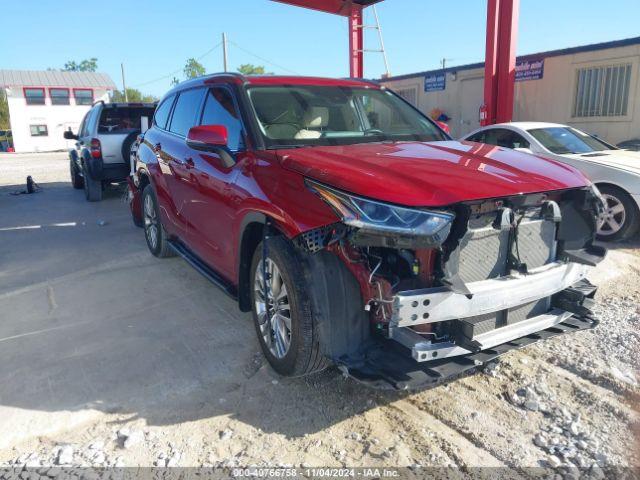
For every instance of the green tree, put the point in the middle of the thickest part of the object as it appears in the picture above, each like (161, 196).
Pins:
(133, 95)
(193, 69)
(250, 69)
(89, 65)
(174, 81)
(4, 110)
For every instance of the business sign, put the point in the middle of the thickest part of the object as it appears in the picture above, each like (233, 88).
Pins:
(435, 82)
(529, 70)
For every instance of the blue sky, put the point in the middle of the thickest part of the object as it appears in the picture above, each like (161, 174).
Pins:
(154, 38)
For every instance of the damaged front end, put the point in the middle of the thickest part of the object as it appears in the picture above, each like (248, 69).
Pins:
(448, 290)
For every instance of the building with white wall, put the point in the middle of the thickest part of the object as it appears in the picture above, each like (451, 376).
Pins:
(43, 104)
(595, 88)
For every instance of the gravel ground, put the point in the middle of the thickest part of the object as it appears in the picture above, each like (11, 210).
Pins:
(572, 401)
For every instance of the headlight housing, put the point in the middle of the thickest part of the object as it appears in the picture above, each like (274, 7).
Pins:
(383, 224)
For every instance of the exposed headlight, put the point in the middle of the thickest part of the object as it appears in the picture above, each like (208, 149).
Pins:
(382, 224)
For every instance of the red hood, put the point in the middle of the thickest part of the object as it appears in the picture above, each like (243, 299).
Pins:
(430, 174)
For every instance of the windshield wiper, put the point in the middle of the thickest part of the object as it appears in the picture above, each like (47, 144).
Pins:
(278, 147)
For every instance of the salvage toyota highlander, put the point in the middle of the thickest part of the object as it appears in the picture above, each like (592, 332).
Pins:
(358, 233)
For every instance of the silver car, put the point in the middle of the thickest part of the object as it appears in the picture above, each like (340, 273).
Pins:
(615, 172)
(103, 145)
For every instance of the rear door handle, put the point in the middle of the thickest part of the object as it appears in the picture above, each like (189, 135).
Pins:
(188, 163)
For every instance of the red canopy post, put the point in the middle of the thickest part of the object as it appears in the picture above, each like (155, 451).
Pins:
(352, 9)
(500, 60)
(356, 43)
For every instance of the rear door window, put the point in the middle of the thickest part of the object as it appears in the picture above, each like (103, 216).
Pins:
(220, 109)
(119, 120)
(504, 138)
(478, 137)
(186, 111)
(162, 112)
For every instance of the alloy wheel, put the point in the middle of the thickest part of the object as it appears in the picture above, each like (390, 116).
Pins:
(612, 219)
(151, 228)
(272, 308)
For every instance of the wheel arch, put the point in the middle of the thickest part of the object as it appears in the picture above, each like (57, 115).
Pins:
(252, 230)
(622, 189)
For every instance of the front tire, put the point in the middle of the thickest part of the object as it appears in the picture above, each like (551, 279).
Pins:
(282, 314)
(154, 232)
(92, 188)
(620, 219)
(76, 179)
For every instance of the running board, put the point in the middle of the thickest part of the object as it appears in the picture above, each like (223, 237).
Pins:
(205, 270)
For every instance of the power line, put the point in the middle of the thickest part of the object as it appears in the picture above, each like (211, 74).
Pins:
(263, 59)
(178, 70)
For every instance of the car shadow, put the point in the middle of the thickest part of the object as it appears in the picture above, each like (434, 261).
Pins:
(92, 321)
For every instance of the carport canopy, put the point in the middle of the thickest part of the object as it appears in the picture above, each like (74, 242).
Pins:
(500, 57)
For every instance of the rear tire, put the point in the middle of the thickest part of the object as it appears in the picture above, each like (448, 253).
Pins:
(154, 232)
(92, 188)
(621, 218)
(284, 318)
(76, 179)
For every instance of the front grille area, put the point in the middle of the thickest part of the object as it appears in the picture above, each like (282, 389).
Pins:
(483, 253)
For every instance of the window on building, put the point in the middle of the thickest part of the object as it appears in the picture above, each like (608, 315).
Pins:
(602, 91)
(83, 96)
(34, 96)
(39, 130)
(59, 96)
(409, 94)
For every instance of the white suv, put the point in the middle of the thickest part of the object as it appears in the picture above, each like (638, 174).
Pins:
(103, 145)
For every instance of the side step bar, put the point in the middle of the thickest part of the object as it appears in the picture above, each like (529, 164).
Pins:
(204, 269)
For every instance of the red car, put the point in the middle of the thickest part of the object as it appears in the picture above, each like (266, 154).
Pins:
(358, 233)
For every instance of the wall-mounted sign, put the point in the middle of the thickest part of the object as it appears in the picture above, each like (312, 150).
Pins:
(529, 70)
(435, 82)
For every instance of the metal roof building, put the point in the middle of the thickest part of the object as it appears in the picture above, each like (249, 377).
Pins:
(43, 104)
(55, 78)
(594, 87)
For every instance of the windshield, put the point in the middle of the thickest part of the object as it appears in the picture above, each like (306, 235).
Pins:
(316, 115)
(562, 140)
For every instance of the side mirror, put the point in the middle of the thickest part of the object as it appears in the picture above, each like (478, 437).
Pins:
(523, 150)
(208, 138)
(211, 138)
(69, 135)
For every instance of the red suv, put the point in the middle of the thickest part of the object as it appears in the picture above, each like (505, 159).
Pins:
(358, 233)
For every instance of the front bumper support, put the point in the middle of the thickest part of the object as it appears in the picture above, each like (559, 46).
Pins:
(439, 304)
(387, 365)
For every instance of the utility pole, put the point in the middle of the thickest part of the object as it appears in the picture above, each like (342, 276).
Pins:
(124, 85)
(443, 62)
(224, 50)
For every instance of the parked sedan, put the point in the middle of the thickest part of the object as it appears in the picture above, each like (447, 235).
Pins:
(615, 172)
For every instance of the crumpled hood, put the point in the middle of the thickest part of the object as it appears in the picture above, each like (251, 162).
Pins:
(622, 159)
(430, 174)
